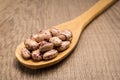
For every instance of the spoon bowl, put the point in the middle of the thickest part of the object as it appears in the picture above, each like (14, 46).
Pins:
(41, 64)
(76, 25)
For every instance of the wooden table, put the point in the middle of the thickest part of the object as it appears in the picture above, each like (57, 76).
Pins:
(96, 57)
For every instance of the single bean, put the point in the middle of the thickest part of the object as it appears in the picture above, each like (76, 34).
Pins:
(50, 54)
(38, 37)
(47, 34)
(68, 34)
(31, 44)
(36, 55)
(56, 41)
(25, 53)
(54, 31)
(61, 36)
(64, 46)
(45, 46)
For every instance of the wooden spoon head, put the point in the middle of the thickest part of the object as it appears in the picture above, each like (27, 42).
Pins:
(42, 64)
(76, 26)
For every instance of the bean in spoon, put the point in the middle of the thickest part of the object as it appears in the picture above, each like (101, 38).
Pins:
(76, 25)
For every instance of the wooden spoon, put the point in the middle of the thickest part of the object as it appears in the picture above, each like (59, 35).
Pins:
(76, 25)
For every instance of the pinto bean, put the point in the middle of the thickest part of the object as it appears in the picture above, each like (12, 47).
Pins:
(50, 54)
(36, 55)
(68, 34)
(25, 53)
(61, 36)
(47, 33)
(45, 46)
(54, 31)
(31, 44)
(56, 41)
(64, 46)
(38, 37)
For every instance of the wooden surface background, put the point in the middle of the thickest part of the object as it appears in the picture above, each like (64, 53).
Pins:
(96, 57)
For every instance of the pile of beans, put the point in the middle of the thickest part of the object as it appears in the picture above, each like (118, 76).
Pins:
(46, 44)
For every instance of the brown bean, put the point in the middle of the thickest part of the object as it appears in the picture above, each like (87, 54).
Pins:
(50, 54)
(25, 53)
(47, 33)
(68, 34)
(36, 55)
(61, 36)
(64, 46)
(31, 44)
(56, 41)
(38, 37)
(54, 31)
(45, 46)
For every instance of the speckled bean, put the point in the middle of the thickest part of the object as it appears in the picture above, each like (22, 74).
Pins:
(68, 34)
(64, 46)
(38, 37)
(54, 31)
(36, 55)
(45, 46)
(50, 54)
(61, 36)
(47, 33)
(25, 53)
(31, 44)
(56, 41)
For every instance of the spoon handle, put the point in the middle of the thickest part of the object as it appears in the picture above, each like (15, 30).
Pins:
(92, 13)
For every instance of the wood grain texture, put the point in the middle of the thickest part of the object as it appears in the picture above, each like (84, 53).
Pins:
(96, 57)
